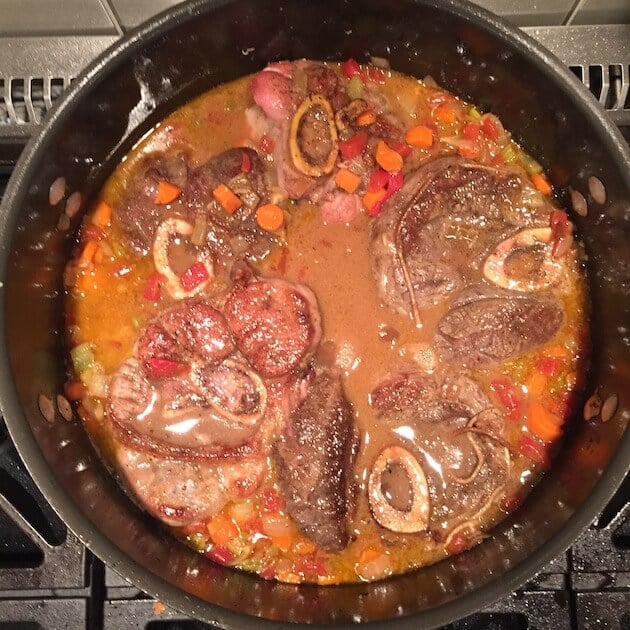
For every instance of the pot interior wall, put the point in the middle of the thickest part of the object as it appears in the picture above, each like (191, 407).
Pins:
(154, 76)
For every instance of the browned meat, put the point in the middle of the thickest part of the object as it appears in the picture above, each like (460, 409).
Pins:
(456, 435)
(191, 330)
(438, 229)
(325, 81)
(137, 213)
(175, 492)
(316, 456)
(497, 328)
(173, 417)
(236, 234)
(275, 323)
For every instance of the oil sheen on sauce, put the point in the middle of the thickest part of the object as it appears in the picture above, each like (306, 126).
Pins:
(367, 337)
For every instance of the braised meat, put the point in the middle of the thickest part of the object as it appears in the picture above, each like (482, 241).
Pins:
(275, 323)
(316, 455)
(457, 437)
(496, 326)
(435, 233)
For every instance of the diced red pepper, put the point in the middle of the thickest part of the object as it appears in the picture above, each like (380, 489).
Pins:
(253, 524)
(219, 554)
(395, 182)
(310, 566)
(458, 543)
(193, 276)
(351, 68)
(534, 450)
(272, 501)
(511, 503)
(548, 366)
(376, 74)
(268, 572)
(165, 368)
(559, 223)
(497, 160)
(353, 146)
(400, 147)
(153, 287)
(378, 179)
(506, 393)
(246, 163)
(490, 128)
(267, 144)
(471, 131)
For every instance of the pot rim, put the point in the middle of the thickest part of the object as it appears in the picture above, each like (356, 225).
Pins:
(25, 441)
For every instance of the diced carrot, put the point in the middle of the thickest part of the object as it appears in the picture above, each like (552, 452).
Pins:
(534, 450)
(304, 547)
(228, 200)
(419, 136)
(347, 180)
(284, 542)
(365, 119)
(372, 200)
(471, 152)
(89, 251)
(166, 192)
(388, 159)
(536, 384)
(369, 554)
(445, 114)
(541, 183)
(222, 530)
(102, 214)
(270, 217)
(557, 351)
(543, 423)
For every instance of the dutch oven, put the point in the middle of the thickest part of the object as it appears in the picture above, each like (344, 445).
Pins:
(192, 48)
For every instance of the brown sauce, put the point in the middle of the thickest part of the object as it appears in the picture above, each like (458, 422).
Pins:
(107, 309)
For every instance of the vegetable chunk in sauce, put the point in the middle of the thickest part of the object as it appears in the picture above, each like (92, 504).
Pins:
(326, 323)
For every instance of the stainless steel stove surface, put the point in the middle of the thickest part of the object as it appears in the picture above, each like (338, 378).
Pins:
(48, 579)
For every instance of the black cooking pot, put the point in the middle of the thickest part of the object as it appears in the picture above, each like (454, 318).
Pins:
(195, 47)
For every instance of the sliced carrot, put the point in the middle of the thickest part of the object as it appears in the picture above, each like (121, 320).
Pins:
(388, 159)
(445, 114)
(420, 136)
(228, 200)
(543, 423)
(347, 180)
(222, 530)
(89, 251)
(166, 192)
(102, 214)
(370, 199)
(365, 119)
(541, 183)
(536, 384)
(270, 217)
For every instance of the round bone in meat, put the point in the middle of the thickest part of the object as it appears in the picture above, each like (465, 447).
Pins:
(524, 262)
(407, 521)
(166, 230)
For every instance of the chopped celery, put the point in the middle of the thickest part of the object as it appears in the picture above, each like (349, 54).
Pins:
(474, 113)
(509, 153)
(137, 322)
(355, 87)
(530, 165)
(82, 357)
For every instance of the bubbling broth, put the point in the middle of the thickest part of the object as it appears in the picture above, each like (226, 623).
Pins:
(327, 323)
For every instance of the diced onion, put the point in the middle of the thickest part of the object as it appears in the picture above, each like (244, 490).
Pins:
(380, 62)
(355, 88)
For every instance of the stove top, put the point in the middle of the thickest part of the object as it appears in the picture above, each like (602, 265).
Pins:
(47, 578)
